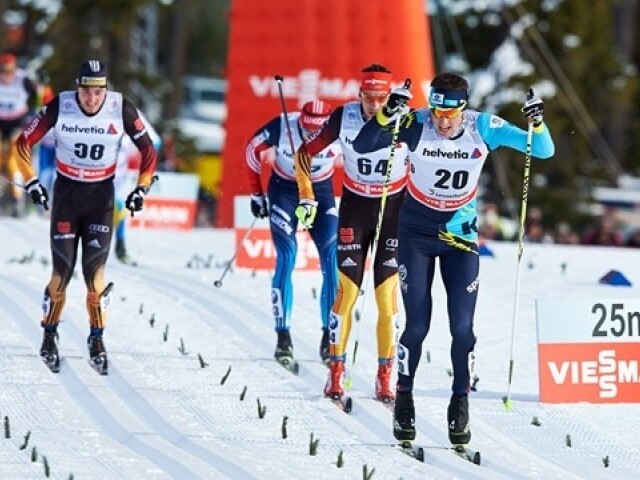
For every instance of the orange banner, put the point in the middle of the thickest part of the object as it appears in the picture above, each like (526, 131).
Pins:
(166, 213)
(259, 253)
(589, 372)
(319, 49)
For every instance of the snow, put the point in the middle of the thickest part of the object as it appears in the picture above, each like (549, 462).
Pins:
(159, 415)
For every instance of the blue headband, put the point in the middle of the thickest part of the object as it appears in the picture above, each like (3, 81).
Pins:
(444, 98)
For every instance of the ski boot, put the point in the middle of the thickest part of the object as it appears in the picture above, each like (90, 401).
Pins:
(49, 351)
(404, 418)
(334, 388)
(324, 346)
(98, 355)
(284, 349)
(383, 392)
(458, 418)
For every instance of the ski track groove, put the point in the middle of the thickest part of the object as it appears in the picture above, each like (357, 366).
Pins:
(312, 377)
(137, 404)
(444, 461)
(430, 435)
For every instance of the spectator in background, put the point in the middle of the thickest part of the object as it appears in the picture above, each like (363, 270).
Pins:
(564, 235)
(534, 228)
(129, 159)
(491, 227)
(634, 239)
(605, 233)
(18, 96)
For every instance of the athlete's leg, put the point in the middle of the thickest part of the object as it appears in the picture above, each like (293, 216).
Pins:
(324, 235)
(96, 230)
(64, 237)
(416, 258)
(460, 272)
(385, 280)
(351, 246)
(120, 223)
(283, 200)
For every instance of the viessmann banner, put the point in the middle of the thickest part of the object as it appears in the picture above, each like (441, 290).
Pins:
(319, 48)
(258, 252)
(589, 350)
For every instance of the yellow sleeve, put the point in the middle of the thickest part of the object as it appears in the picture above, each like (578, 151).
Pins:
(303, 175)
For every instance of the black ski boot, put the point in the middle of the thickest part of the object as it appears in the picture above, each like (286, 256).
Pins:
(284, 348)
(458, 418)
(324, 346)
(98, 355)
(49, 351)
(404, 417)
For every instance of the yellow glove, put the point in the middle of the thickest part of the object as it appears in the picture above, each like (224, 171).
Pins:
(306, 212)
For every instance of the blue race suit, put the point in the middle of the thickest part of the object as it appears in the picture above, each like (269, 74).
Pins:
(283, 200)
(439, 219)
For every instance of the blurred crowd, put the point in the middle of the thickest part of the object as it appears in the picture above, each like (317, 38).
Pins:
(606, 229)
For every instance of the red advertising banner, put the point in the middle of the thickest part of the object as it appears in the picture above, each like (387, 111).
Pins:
(588, 350)
(589, 372)
(166, 213)
(259, 253)
(305, 42)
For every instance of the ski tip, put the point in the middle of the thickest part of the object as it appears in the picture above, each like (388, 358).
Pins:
(348, 405)
(507, 403)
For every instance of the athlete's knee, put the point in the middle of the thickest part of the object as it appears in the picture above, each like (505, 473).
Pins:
(52, 304)
(94, 277)
(97, 305)
(462, 333)
(387, 297)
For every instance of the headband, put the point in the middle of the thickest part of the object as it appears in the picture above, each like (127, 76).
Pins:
(375, 81)
(445, 98)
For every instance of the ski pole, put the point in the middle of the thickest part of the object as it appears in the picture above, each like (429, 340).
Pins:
(218, 282)
(523, 216)
(278, 80)
(374, 246)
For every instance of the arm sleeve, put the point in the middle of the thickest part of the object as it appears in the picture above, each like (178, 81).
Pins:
(318, 141)
(374, 136)
(32, 134)
(263, 139)
(497, 132)
(134, 127)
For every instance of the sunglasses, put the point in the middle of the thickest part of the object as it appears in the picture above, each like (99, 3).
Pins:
(374, 97)
(447, 112)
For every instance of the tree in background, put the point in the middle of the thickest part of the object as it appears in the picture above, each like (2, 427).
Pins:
(583, 61)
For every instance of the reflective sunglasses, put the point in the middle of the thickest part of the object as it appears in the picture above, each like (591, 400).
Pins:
(447, 112)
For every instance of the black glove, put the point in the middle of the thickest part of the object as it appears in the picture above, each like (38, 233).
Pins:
(259, 206)
(135, 200)
(397, 101)
(533, 109)
(38, 193)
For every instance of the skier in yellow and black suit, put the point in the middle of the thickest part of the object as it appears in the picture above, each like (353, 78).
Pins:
(364, 184)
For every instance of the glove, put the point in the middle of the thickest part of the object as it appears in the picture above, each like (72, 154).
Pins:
(38, 193)
(533, 109)
(306, 212)
(397, 102)
(259, 206)
(135, 200)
